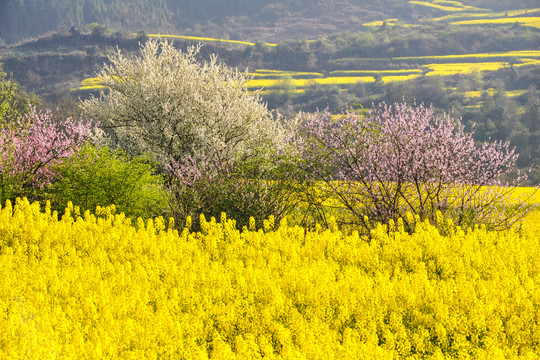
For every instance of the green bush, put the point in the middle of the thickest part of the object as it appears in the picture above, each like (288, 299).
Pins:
(100, 176)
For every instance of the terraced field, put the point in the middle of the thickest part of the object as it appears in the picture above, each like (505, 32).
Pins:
(462, 14)
(435, 65)
(205, 39)
(368, 70)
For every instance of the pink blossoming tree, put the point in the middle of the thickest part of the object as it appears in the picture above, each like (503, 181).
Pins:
(404, 159)
(29, 149)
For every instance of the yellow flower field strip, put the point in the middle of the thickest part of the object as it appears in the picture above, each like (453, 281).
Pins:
(292, 74)
(91, 81)
(284, 72)
(389, 22)
(462, 68)
(519, 54)
(273, 83)
(527, 62)
(515, 93)
(271, 78)
(502, 14)
(205, 39)
(455, 6)
(491, 91)
(449, 2)
(270, 71)
(273, 91)
(374, 72)
(396, 78)
(446, 69)
(90, 87)
(525, 21)
(508, 54)
(475, 94)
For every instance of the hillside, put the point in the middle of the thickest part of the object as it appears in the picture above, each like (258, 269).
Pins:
(273, 21)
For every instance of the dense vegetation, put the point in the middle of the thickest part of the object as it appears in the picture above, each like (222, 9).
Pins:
(196, 131)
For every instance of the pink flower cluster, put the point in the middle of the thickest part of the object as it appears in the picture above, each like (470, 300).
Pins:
(401, 158)
(29, 149)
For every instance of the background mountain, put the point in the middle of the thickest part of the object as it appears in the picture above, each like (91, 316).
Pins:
(268, 20)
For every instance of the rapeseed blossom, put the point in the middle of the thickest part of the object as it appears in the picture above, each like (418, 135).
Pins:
(97, 286)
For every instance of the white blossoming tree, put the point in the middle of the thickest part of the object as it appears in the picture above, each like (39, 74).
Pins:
(198, 120)
(164, 102)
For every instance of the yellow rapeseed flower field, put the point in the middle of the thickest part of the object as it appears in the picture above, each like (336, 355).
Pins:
(300, 83)
(270, 79)
(465, 15)
(205, 39)
(100, 287)
(389, 22)
(375, 72)
(451, 6)
(395, 78)
(525, 21)
(462, 68)
(508, 54)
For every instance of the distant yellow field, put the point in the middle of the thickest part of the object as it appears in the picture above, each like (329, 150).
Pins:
(389, 22)
(452, 6)
(374, 72)
(387, 79)
(274, 74)
(465, 15)
(507, 54)
(341, 80)
(94, 81)
(462, 68)
(271, 79)
(525, 21)
(204, 39)
(491, 91)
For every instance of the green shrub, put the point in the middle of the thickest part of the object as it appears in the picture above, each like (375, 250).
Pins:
(100, 176)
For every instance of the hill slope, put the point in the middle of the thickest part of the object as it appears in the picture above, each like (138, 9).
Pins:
(240, 19)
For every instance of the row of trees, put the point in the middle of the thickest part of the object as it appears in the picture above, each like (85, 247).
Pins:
(176, 137)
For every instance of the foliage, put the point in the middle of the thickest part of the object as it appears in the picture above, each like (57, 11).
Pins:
(14, 101)
(247, 188)
(98, 176)
(403, 159)
(29, 149)
(95, 286)
(188, 115)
